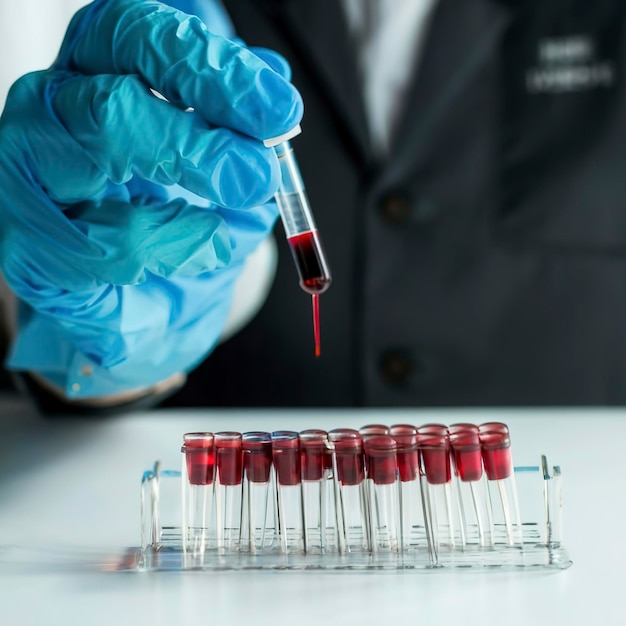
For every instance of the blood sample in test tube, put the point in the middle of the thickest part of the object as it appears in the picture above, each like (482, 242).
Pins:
(257, 456)
(496, 450)
(433, 443)
(405, 437)
(229, 474)
(496, 453)
(313, 447)
(256, 533)
(372, 430)
(416, 532)
(350, 490)
(348, 448)
(434, 446)
(199, 454)
(286, 458)
(476, 522)
(197, 488)
(320, 526)
(466, 452)
(384, 498)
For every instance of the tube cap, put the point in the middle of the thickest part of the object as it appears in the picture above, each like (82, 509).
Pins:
(290, 134)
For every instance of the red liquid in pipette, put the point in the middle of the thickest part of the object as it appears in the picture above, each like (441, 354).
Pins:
(316, 322)
(313, 270)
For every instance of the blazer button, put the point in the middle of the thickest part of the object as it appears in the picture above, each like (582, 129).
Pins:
(395, 367)
(395, 207)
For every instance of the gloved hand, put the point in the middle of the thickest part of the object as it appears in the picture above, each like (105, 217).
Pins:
(121, 285)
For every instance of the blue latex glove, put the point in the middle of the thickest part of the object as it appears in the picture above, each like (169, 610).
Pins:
(121, 285)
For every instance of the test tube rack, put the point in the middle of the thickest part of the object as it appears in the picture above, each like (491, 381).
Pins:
(426, 498)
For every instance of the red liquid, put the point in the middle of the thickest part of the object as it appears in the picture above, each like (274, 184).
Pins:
(469, 465)
(306, 249)
(349, 454)
(371, 430)
(435, 451)
(229, 458)
(200, 466)
(257, 456)
(381, 452)
(467, 454)
(314, 457)
(497, 463)
(405, 437)
(437, 466)
(286, 455)
(496, 453)
(315, 298)
(200, 458)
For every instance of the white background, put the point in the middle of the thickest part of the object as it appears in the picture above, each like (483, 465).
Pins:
(31, 32)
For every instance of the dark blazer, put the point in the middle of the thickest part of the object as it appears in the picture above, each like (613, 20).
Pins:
(484, 263)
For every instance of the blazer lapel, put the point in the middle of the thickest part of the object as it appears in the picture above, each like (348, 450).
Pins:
(463, 34)
(319, 29)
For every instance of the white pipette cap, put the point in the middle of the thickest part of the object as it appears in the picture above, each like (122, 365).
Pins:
(290, 134)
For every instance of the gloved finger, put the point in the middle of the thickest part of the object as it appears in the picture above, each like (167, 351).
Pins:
(125, 130)
(38, 157)
(112, 243)
(172, 239)
(247, 228)
(275, 60)
(174, 53)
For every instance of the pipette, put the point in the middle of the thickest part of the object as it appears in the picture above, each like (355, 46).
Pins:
(300, 229)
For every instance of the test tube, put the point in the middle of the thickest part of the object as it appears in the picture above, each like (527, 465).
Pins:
(286, 457)
(257, 464)
(301, 231)
(496, 453)
(434, 445)
(476, 520)
(415, 523)
(384, 501)
(229, 466)
(350, 490)
(320, 529)
(372, 430)
(198, 530)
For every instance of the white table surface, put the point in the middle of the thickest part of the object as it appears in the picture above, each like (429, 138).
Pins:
(72, 489)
